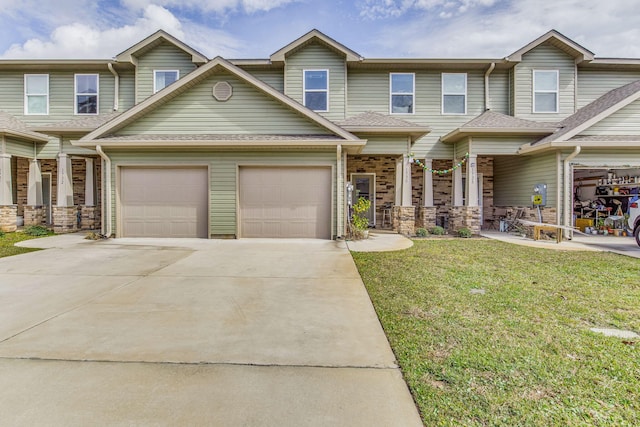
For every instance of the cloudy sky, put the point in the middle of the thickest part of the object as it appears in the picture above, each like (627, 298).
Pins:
(373, 28)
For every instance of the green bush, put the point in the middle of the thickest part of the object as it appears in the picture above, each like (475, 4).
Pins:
(359, 218)
(422, 232)
(37, 230)
(437, 230)
(2, 233)
(464, 233)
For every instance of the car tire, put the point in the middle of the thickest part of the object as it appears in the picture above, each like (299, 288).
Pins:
(636, 234)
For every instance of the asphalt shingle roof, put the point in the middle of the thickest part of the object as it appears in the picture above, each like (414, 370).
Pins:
(12, 124)
(493, 120)
(373, 120)
(217, 137)
(87, 123)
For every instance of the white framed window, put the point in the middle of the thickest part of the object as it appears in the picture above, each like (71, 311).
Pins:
(163, 78)
(86, 93)
(545, 91)
(454, 93)
(402, 93)
(316, 89)
(36, 94)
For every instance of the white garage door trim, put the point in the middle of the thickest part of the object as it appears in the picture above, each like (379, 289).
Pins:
(303, 227)
(194, 205)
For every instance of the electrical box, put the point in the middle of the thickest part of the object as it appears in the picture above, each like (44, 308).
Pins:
(349, 194)
(539, 197)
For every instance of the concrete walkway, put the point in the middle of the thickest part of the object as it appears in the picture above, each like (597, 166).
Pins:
(193, 332)
(380, 241)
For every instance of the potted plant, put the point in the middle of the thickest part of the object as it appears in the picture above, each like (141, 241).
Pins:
(359, 219)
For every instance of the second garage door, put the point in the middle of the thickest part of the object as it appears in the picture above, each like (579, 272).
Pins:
(285, 202)
(164, 202)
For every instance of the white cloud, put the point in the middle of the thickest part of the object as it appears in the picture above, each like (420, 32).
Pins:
(85, 40)
(382, 9)
(494, 30)
(217, 6)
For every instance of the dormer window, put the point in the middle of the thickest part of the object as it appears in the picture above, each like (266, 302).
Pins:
(316, 90)
(86, 94)
(163, 78)
(545, 91)
(402, 90)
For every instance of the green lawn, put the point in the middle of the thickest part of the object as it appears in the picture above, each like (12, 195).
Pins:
(521, 353)
(8, 240)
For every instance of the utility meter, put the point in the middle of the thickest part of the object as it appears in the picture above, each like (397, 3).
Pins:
(349, 193)
(539, 197)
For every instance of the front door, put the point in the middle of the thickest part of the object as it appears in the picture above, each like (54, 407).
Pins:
(364, 185)
(46, 196)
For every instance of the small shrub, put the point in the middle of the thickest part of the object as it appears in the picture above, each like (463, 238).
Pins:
(2, 233)
(422, 232)
(359, 218)
(37, 230)
(464, 233)
(437, 230)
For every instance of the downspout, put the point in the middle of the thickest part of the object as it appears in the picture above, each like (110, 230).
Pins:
(106, 206)
(568, 190)
(339, 193)
(116, 86)
(487, 105)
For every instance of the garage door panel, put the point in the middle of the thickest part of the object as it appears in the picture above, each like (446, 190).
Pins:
(164, 202)
(285, 202)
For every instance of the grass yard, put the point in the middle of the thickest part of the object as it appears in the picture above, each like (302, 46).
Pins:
(521, 353)
(8, 240)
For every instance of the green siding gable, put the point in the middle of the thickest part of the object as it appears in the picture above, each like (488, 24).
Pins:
(163, 57)
(622, 122)
(248, 111)
(592, 84)
(20, 148)
(496, 146)
(380, 144)
(318, 57)
(515, 176)
(545, 57)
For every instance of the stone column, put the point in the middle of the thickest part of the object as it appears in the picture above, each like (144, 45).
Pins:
(472, 181)
(426, 217)
(404, 213)
(65, 214)
(8, 217)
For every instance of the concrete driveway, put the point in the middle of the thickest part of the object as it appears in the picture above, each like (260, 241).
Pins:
(193, 332)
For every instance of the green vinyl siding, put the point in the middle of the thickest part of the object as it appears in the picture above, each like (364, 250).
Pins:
(223, 167)
(496, 146)
(248, 111)
(515, 176)
(545, 57)
(592, 84)
(274, 78)
(162, 57)
(19, 148)
(377, 144)
(623, 122)
(48, 150)
(460, 149)
(369, 91)
(127, 98)
(605, 159)
(499, 91)
(61, 95)
(318, 57)
(68, 148)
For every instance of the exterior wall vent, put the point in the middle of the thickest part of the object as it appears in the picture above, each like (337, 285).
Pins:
(222, 91)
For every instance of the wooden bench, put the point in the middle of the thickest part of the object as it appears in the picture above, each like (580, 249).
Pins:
(547, 227)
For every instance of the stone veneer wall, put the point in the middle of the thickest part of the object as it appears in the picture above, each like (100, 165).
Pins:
(464, 217)
(33, 215)
(426, 217)
(385, 169)
(403, 220)
(8, 218)
(65, 219)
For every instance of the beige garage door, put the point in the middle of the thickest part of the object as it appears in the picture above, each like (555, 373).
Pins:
(285, 202)
(164, 202)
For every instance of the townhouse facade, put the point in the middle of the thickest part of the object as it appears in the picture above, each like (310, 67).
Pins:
(162, 141)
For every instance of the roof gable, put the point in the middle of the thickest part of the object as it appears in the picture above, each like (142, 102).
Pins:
(154, 40)
(11, 126)
(213, 67)
(315, 36)
(557, 40)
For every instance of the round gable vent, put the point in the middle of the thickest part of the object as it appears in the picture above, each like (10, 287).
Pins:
(222, 91)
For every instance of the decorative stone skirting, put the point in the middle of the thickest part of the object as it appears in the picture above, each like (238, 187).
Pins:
(9, 217)
(403, 219)
(89, 218)
(464, 217)
(65, 219)
(33, 215)
(426, 217)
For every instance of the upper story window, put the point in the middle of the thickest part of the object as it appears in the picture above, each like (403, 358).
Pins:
(86, 94)
(545, 91)
(402, 90)
(316, 89)
(454, 93)
(36, 94)
(163, 78)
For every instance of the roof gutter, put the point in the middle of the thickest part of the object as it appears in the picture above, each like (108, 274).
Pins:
(116, 86)
(106, 206)
(567, 188)
(487, 105)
